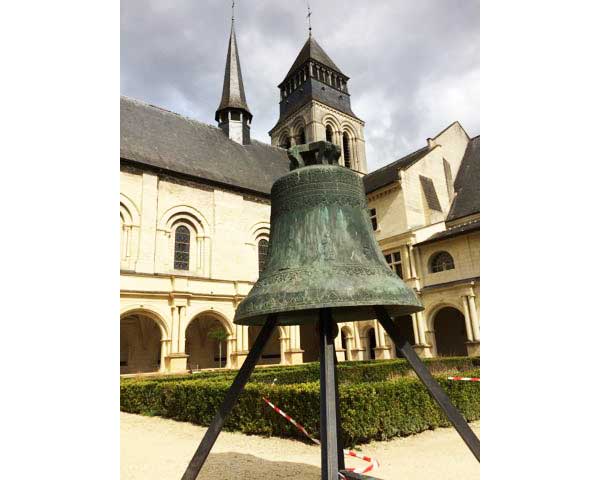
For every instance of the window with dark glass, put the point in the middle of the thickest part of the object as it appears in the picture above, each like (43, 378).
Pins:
(442, 261)
(329, 134)
(373, 215)
(263, 247)
(394, 260)
(182, 248)
(346, 146)
(302, 137)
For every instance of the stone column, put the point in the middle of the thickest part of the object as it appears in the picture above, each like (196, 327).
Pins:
(411, 254)
(283, 339)
(339, 350)
(357, 350)
(382, 351)
(164, 351)
(467, 318)
(415, 329)
(474, 317)
(174, 329)
(406, 270)
(423, 348)
(177, 358)
(295, 351)
(422, 328)
(231, 347)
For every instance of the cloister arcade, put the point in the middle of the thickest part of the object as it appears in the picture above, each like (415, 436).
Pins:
(149, 345)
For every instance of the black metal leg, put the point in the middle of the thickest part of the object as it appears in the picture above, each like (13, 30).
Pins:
(455, 417)
(340, 446)
(329, 420)
(210, 437)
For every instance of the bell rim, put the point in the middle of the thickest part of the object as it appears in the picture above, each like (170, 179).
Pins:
(247, 319)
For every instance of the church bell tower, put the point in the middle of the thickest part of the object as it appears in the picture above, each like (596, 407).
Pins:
(233, 114)
(315, 105)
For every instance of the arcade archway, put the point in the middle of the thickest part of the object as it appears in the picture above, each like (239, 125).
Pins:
(206, 343)
(450, 333)
(140, 338)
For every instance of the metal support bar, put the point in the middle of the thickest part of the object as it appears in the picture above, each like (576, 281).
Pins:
(455, 417)
(329, 419)
(210, 437)
(340, 446)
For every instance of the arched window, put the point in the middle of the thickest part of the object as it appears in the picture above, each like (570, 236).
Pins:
(302, 136)
(182, 248)
(328, 134)
(263, 247)
(285, 142)
(346, 147)
(441, 261)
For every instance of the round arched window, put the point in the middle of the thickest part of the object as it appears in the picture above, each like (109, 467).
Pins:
(182, 248)
(285, 142)
(263, 247)
(441, 261)
(328, 134)
(346, 148)
(301, 137)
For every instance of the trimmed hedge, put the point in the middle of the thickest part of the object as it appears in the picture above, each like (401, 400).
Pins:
(355, 371)
(373, 410)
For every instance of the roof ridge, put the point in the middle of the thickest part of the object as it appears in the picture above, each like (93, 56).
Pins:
(448, 128)
(418, 150)
(166, 110)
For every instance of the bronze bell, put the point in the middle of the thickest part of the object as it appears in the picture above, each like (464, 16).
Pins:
(323, 265)
(322, 251)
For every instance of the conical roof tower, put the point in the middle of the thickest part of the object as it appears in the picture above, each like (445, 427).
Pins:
(233, 114)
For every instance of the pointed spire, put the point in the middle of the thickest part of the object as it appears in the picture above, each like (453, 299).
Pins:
(233, 86)
(312, 51)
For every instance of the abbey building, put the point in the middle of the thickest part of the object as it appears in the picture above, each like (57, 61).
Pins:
(195, 209)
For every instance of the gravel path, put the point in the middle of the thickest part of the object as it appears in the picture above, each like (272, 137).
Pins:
(159, 449)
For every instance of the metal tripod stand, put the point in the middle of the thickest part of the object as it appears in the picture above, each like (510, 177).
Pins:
(332, 456)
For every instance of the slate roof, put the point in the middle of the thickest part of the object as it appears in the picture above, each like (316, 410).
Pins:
(466, 184)
(452, 232)
(312, 51)
(389, 174)
(159, 138)
(233, 95)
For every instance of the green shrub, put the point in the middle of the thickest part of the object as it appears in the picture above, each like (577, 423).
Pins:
(372, 410)
(355, 371)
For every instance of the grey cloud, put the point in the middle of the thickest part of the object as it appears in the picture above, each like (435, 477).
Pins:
(414, 65)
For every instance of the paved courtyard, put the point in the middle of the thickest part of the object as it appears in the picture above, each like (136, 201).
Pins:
(159, 449)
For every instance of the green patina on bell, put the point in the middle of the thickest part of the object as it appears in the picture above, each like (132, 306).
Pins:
(322, 251)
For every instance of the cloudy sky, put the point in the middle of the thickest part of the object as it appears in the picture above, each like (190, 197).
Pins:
(413, 64)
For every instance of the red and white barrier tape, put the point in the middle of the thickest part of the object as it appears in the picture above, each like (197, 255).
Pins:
(373, 463)
(464, 379)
